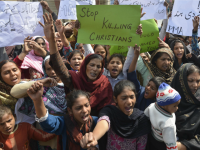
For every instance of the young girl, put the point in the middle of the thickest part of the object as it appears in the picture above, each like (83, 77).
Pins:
(145, 95)
(75, 60)
(72, 126)
(17, 136)
(127, 127)
(114, 69)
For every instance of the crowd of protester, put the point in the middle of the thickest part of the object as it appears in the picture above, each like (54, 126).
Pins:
(57, 94)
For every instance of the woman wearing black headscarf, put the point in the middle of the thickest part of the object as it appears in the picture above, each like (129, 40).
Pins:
(187, 83)
(182, 54)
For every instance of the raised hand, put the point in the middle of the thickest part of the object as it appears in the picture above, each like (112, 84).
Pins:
(136, 49)
(88, 141)
(59, 26)
(116, 2)
(35, 92)
(48, 27)
(27, 47)
(48, 82)
(166, 4)
(142, 14)
(139, 30)
(162, 44)
(195, 23)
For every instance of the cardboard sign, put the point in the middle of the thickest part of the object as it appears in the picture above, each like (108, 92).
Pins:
(108, 24)
(67, 9)
(153, 8)
(19, 20)
(149, 39)
(180, 22)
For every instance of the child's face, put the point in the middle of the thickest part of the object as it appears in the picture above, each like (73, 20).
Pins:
(172, 108)
(7, 123)
(126, 101)
(115, 67)
(150, 90)
(81, 110)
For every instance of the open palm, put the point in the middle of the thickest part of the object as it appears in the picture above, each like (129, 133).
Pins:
(48, 27)
(59, 26)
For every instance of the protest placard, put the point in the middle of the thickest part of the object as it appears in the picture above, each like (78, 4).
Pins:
(149, 39)
(19, 20)
(180, 22)
(153, 8)
(108, 25)
(67, 8)
(123, 50)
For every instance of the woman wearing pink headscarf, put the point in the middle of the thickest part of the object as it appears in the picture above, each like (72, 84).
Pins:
(31, 67)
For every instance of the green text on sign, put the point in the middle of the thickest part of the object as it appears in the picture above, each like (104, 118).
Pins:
(108, 24)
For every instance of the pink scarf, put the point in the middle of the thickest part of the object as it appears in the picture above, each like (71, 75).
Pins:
(33, 61)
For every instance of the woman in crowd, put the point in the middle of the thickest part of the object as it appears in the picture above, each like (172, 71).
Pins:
(181, 53)
(10, 75)
(187, 83)
(54, 97)
(63, 44)
(32, 64)
(127, 127)
(89, 79)
(73, 126)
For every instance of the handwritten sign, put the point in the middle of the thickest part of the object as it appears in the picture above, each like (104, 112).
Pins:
(67, 9)
(181, 21)
(108, 24)
(153, 8)
(149, 39)
(123, 50)
(19, 20)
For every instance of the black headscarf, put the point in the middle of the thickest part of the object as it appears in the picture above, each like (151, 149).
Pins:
(188, 114)
(194, 59)
(130, 127)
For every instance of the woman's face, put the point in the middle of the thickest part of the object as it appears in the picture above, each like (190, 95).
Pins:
(179, 50)
(93, 69)
(81, 110)
(144, 57)
(59, 44)
(10, 74)
(80, 48)
(150, 90)
(50, 72)
(41, 43)
(126, 101)
(76, 61)
(193, 81)
(163, 62)
(101, 51)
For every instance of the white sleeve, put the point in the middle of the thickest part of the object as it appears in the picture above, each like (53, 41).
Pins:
(169, 137)
(88, 49)
(42, 118)
(163, 30)
(128, 61)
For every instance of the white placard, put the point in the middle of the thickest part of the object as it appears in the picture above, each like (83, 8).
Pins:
(19, 20)
(67, 9)
(153, 8)
(183, 13)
